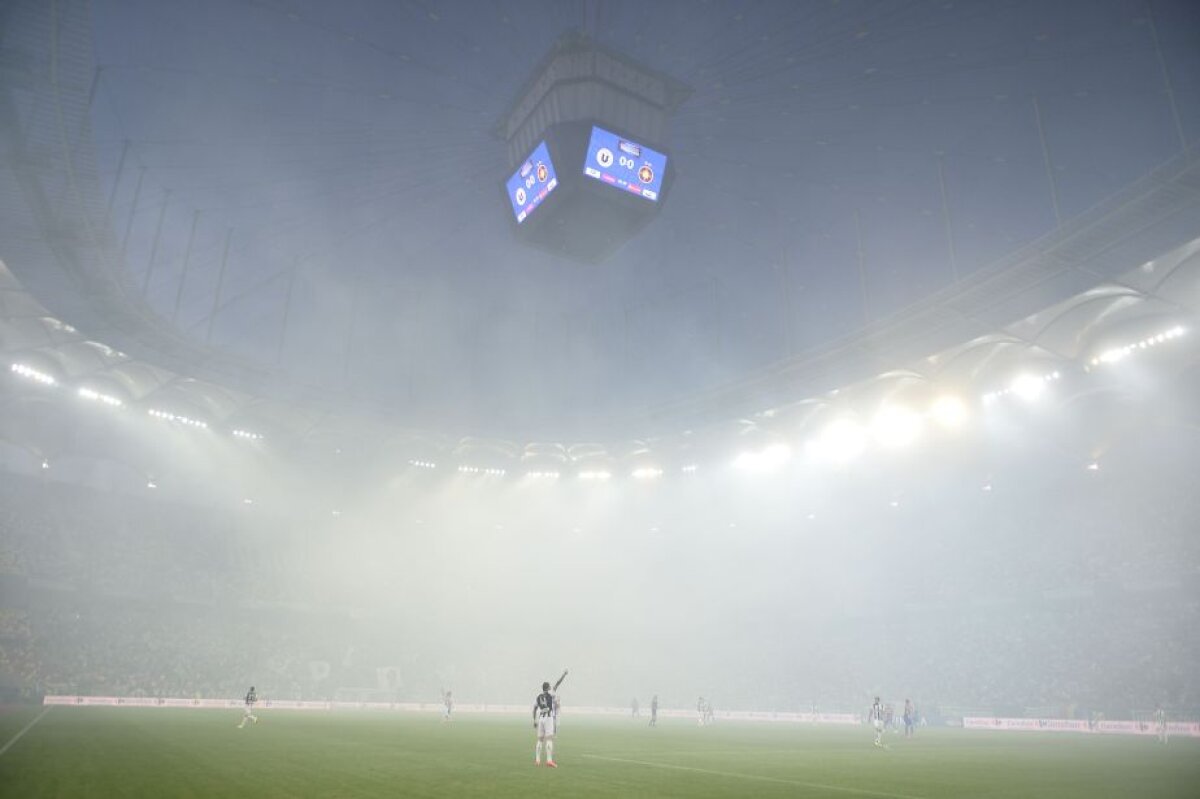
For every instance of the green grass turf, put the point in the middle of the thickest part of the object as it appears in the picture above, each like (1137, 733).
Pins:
(103, 752)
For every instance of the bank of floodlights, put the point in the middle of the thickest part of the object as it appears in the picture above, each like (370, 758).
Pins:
(1025, 386)
(595, 475)
(646, 473)
(896, 426)
(481, 470)
(840, 442)
(422, 464)
(103, 399)
(949, 412)
(247, 435)
(167, 416)
(768, 459)
(1118, 354)
(29, 373)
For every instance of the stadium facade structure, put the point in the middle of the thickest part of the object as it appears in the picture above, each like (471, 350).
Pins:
(1122, 270)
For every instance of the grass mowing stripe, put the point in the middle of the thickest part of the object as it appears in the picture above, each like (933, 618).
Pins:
(24, 730)
(757, 777)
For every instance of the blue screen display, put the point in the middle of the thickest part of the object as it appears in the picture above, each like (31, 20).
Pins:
(625, 164)
(532, 183)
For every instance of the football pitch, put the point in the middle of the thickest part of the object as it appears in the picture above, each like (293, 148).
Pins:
(106, 752)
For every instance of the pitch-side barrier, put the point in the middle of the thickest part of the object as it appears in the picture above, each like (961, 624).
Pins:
(435, 707)
(1105, 727)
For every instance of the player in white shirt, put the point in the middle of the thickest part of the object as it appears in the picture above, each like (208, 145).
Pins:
(875, 716)
(447, 705)
(248, 713)
(1160, 724)
(545, 718)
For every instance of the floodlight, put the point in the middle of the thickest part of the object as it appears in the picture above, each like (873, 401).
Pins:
(647, 473)
(767, 459)
(1028, 387)
(841, 441)
(949, 412)
(896, 426)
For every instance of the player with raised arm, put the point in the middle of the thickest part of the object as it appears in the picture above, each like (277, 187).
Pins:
(248, 713)
(875, 716)
(545, 718)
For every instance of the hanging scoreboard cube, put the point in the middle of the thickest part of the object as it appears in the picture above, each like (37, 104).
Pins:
(586, 142)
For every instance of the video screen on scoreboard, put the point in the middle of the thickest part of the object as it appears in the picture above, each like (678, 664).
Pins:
(625, 164)
(532, 183)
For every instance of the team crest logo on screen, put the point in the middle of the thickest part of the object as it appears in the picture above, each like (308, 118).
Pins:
(542, 172)
(646, 174)
(521, 196)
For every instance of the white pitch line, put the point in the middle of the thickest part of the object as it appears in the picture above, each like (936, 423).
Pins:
(757, 777)
(24, 730)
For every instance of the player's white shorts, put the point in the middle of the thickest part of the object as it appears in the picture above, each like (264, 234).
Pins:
(878, 725)
(545, 726)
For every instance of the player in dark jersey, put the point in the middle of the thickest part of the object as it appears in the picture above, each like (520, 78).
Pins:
(654, 711)
(248, 713)
(545, 718)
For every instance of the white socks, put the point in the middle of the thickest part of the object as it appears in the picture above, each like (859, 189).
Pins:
(549, 751)
(537, 753)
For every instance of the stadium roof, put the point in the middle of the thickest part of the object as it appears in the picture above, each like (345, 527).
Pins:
(865, 194)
